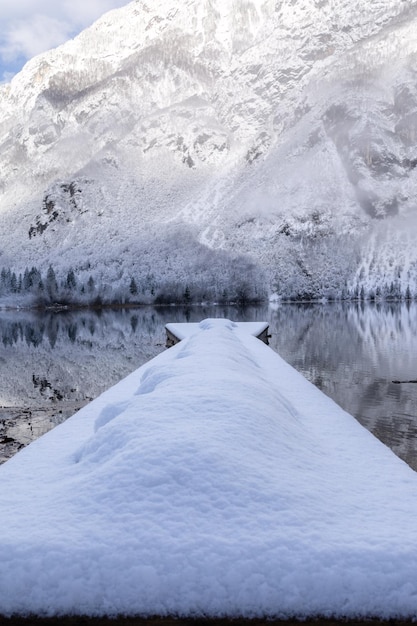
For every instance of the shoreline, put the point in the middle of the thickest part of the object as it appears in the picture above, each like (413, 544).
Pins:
(85, 620)
(62, 308)
(20, 426)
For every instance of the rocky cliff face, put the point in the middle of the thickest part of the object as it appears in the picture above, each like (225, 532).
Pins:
(271, 139)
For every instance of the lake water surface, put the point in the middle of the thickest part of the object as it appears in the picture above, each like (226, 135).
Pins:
(51, 364)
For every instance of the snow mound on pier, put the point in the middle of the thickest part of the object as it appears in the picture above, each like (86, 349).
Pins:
(214, 480)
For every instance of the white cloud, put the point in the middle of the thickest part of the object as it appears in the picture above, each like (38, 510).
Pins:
(85, 12)
(11, 9)
(6, 77)
(33, 26)
(27, 38)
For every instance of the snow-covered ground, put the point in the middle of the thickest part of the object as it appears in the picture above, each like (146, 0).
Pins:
(213, 480)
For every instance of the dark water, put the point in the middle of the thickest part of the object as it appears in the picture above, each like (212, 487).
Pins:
(52, 364)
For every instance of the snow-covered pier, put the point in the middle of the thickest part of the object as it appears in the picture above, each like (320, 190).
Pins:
(213, 481)
(179, 331)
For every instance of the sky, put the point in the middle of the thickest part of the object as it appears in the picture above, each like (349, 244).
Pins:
(29, 27)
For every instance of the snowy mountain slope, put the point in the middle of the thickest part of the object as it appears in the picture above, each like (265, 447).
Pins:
(277, 133)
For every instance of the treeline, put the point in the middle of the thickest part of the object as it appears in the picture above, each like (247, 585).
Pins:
(37, 288)
(32, 287)
(45, 288)
(392, 291)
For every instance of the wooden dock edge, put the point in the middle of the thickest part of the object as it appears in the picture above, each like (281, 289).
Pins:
(172, 340)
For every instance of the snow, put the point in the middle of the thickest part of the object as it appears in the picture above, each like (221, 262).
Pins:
(273, 130)
(214, 480)
(184, 330)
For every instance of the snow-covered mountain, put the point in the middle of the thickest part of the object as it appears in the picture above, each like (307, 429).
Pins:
(218, 144)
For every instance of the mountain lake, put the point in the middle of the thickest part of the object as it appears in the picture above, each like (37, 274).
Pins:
(362, 355)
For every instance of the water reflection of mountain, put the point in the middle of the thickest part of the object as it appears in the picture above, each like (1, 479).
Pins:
(52, 357)
(51, 364)
(66, 356)
(55, 362)
(353, 353)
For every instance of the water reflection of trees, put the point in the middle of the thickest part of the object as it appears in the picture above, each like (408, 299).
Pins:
(34, 329)
(353, 352)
